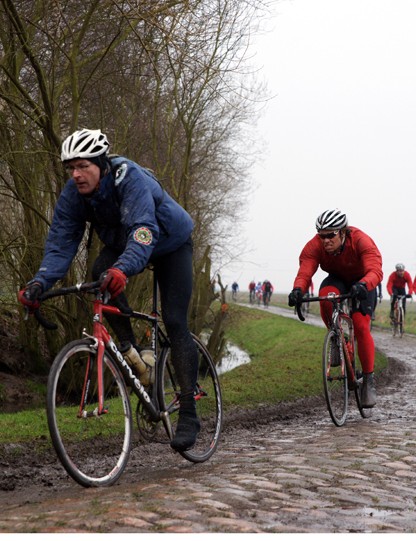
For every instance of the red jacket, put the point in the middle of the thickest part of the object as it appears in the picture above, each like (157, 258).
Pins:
(359, 261)
(399, 281)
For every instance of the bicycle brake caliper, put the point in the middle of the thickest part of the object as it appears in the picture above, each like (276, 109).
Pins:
(95, 344)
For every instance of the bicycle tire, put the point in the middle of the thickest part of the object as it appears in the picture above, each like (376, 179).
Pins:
(334, 380)
(207, 397)
(401, 321)
(364, 412)
(395, 322)
(93, 449)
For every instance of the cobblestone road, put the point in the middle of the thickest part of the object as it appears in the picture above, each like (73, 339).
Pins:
(293, 475)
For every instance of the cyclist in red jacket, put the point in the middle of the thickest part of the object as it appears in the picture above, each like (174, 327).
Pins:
(252, 290)
(396, 285)
(354, 264)
(267, 289)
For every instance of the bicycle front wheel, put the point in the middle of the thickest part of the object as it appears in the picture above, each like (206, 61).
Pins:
(93, 447)
(393, 326)
(395, 321)
(335, 379)
(401, 322)
(207, 397)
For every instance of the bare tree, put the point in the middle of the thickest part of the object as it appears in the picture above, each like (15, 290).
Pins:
(163, 79)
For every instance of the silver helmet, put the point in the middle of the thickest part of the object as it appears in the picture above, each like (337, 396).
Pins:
(84, 144)
(331, 219)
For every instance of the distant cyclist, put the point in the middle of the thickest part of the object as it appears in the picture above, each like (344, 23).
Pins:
(252, 290)
(396, 285)
(259, 293)
(267, 290)
(234, 289)
(354, 264)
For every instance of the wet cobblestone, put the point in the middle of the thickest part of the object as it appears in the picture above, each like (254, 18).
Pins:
(300, 476)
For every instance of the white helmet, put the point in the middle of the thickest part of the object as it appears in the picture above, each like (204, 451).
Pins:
(84, 144)
(331, 219)
(399, 267)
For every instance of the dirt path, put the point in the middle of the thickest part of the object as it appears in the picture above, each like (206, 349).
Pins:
(281, 469)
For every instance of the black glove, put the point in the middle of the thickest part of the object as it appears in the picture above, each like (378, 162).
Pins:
(359, 291)
(28, 296)
(295, 297)
(408, 296)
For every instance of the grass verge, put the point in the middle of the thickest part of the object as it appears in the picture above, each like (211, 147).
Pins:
(285, 359)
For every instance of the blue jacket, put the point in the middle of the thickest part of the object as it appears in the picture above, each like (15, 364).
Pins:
(130, 212)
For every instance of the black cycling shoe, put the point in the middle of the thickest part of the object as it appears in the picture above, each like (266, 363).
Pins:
(186, 433)
(368, 391)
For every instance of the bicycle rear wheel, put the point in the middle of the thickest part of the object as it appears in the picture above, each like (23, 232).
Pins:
(93, 448)
(335, 379)
(207, 397)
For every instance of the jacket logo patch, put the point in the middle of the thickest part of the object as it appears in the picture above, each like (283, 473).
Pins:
(143, 235)
(120, 173)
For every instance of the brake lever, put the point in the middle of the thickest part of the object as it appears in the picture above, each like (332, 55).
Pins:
(299, 311)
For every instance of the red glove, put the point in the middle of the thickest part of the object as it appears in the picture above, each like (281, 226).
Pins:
(114, 280)
(28, 296)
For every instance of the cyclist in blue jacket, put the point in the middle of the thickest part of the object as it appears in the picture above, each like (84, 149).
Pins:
(138, 223)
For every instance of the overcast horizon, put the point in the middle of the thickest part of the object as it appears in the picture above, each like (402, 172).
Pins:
(340, 133)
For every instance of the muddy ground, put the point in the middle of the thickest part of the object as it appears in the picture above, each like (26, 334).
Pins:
(34, 484)
(28, 474)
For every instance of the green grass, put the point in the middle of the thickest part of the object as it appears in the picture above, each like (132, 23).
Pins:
(285, 359)
(27, 425)
(285, 365)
